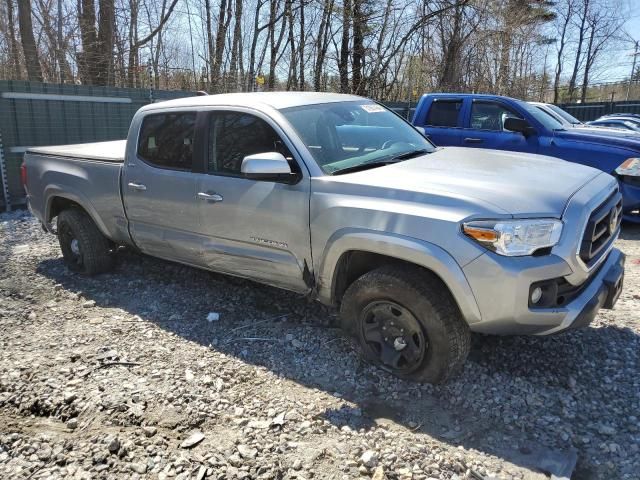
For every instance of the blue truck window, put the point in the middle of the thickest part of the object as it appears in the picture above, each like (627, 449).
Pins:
(490, 116)
(444, 113)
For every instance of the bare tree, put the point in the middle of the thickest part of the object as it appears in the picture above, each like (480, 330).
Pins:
(565, 12)
(34, 70)
(322, 44)
(603, 24)
(582, 31)
(14, 54)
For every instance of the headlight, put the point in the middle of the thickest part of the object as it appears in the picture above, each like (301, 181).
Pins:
(630, 167)
(515, 237)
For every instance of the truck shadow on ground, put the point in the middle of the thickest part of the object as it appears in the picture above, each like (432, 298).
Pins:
(526, 400)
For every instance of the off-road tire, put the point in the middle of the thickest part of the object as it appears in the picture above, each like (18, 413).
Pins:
(96, 252)
(426, 297)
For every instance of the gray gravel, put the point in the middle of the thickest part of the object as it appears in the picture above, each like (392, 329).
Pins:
(123, 376)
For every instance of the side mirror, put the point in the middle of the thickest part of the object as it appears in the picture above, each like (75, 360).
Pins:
(270, 166)
(518, 125)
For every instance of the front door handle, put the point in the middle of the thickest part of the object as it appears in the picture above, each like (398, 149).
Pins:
(473, 140)
(137, 186)
(210, 197)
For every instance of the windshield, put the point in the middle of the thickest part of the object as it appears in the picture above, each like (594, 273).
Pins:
(345, 135)
(552, 114)
(545, 119)
(566, 115)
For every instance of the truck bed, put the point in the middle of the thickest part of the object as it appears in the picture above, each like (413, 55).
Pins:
(88, 174)
(102, 151)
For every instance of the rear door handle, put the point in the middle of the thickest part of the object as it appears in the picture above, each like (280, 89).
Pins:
(210, 197)
(473, 140)
(137, 186)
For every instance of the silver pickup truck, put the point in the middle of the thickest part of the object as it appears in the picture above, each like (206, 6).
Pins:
(336, 197)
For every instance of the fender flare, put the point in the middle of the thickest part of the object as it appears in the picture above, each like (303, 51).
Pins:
(418, 252)
(53, 191)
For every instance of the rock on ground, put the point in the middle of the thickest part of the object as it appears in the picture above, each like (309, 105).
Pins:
(107, 376)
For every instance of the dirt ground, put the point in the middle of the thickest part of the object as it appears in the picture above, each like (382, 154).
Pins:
(123, 376)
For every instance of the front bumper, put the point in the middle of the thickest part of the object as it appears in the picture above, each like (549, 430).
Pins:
(501, 287)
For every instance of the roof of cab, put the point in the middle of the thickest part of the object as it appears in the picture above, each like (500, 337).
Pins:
(475, 95)
(277, 100)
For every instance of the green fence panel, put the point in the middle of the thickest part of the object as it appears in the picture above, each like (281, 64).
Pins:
(34, 114)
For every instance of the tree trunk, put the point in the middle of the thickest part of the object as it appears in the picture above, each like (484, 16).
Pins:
(357, 58)
(210, 45)
(60, 53)
(251, 80)
(88, 36)
(450, 74)
(301, 46)
(105, 43)
(219, 48)
(236, 51)
(34, 70)
(587, 67)
(563, 41)
(14, 54)
(343, 65)
(322, 44)
(292, 78)
(576, 65)
(275, 44)
(133, 40)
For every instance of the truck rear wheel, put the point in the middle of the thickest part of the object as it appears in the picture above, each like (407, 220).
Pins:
(84, 248)
(407, 323)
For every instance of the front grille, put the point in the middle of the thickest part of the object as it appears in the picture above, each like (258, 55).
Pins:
(601, 227)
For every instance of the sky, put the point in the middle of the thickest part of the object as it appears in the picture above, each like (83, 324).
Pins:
(622, 63)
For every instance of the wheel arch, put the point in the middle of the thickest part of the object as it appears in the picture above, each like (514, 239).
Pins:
(58, 200)
(351, 254)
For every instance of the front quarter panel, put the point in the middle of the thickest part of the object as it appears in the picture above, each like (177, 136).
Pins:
(414, 251)
(418, 228)
(603, 157)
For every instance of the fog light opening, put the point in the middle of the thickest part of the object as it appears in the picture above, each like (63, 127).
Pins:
(536, 295)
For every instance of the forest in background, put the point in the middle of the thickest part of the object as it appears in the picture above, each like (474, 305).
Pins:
(389, 49)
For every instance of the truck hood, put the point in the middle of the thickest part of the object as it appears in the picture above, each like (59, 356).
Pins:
(605, 131)
(622, 139)
(514, 183)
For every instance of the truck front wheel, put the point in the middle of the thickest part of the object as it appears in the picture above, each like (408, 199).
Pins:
(407, 323)
(84, 248)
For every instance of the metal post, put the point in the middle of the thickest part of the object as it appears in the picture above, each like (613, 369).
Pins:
(150, 74)
(3, 176)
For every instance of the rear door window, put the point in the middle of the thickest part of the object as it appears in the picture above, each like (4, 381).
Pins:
(166, 140)
(444, 113)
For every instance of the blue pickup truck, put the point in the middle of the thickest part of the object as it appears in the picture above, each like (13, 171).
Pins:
(502, 123)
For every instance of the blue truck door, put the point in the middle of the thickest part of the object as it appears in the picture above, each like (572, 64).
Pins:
(484, 128)
(442, 121)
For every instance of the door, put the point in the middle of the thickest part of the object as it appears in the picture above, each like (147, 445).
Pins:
(159, 187)
(485, 129)
(443, 121)
(252, 228)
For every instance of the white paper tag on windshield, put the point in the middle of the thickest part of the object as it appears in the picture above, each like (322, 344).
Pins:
(372, 108)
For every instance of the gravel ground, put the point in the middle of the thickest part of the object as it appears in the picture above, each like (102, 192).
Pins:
(122, 376)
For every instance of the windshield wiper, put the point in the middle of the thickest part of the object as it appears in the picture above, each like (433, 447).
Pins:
(381, 162)
(365, 166)
(410, 154)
